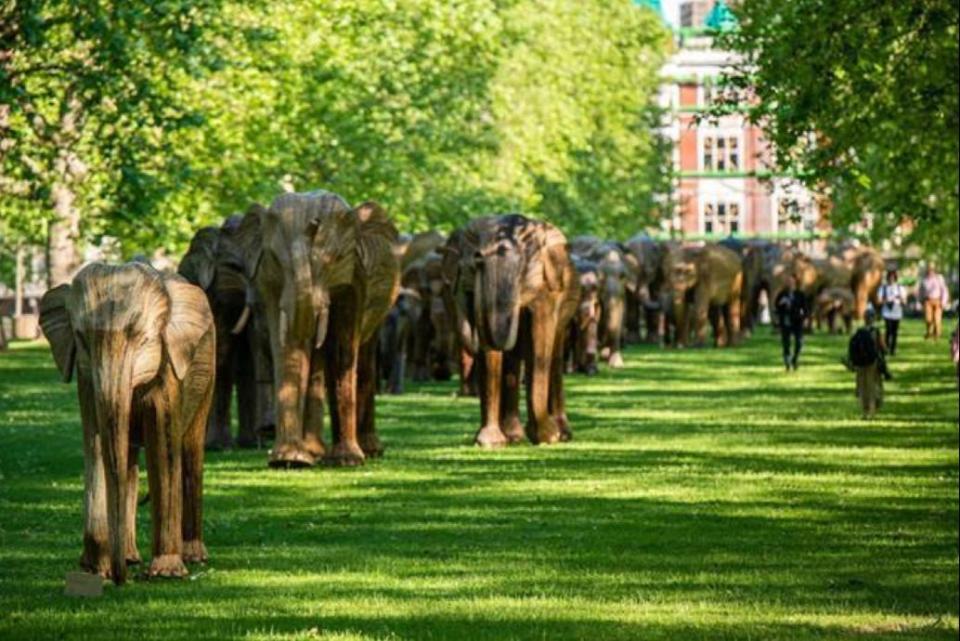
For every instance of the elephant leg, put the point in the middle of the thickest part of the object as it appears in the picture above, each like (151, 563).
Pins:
(468, 374)
(541, 428)
(342, 354)
(366, 400)
(218, 425)
(292, 379)
(133, 487)
(490, 375)
(558, 403)
(701, 313)
(313, 407)
(194, 551)
(96, 528)
(398, 372)
(165, 478)
(247, 402)
(614, 334)
(510, 423)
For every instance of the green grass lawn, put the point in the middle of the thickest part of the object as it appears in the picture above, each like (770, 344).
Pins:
(708, 495)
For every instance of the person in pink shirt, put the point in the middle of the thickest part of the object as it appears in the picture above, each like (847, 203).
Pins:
(934, 294)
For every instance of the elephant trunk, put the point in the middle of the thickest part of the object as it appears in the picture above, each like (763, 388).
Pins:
(497, 304)
(114, 399)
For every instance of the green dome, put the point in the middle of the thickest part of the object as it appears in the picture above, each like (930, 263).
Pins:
(720, 17)
(654, 5)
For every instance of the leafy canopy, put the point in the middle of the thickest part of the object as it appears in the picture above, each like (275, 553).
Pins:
(861, 99)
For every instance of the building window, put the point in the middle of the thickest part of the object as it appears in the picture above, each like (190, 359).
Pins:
(795, 218)
(721, 153)
(721, 218)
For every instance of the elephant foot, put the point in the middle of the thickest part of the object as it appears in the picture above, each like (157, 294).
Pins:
(132, 555)
(605, 353)
(370, 444)
(564, 426)
(291, 455)
(168, 566)
(490, 436)
(543, 433)
(345, 454)
(615, 361)
(194, 551)
(96, 564)
(513, 430)
(314, 445)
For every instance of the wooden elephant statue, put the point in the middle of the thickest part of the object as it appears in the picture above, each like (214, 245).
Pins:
(704, 283)
(867, 269)
(407, 333)
(513, 287)
(214, 262)
(328, 275)
(142, 344)
(582, 341)
(645, 303)
(835, 303)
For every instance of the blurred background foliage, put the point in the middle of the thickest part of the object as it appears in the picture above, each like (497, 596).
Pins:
(186, 111)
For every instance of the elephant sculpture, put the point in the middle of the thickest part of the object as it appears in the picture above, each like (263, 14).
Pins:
(646, 301)
(752, 260)
(833, 303)
(704, 283)
(214, 262)
(142, 344)
(582, 341)
(328, 275)
(617, 275)
(408, 333)
(867, 269)
(513, 288)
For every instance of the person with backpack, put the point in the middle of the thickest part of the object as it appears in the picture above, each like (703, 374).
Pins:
(792, 311)
(865, 355)
(892, 298)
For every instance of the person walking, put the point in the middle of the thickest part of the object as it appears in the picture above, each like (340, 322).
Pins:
(892, 298)
(934, 294)
(865, 355)
(792, 311)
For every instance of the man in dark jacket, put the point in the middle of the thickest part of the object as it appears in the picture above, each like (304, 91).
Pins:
(791, 309)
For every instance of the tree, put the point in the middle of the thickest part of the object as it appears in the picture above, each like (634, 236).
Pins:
(88, 96)
(440, 110)
(861, 100)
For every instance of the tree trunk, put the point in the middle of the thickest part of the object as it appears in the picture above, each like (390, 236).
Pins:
(18, 284)
(63, 236)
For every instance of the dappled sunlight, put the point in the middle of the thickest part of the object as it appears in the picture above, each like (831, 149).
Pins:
(706, 494)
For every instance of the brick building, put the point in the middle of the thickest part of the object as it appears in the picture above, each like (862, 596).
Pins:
(724, 183)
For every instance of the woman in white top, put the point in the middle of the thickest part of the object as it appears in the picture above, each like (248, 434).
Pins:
(892, 298)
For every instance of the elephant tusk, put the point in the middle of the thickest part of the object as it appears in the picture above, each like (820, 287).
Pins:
(323, 319)
(242, 321)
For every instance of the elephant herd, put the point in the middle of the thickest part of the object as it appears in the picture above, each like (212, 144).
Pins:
(311, 303)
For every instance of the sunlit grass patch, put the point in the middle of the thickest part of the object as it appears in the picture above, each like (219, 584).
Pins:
(707, 495)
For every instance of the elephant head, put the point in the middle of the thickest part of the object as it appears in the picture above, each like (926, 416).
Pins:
(122, 328)
(305, 246)
(494, 265)
(215, 263)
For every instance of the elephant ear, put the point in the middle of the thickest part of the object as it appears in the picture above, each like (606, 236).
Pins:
(199, 264)
(554, 256)
(190, 319)
(419, 246)
(379, 264)
(249, 238)
(55, 322)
